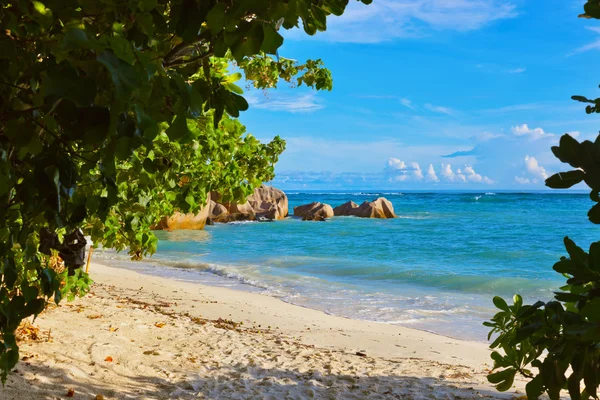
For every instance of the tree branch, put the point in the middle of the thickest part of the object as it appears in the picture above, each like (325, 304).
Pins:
(191, 60)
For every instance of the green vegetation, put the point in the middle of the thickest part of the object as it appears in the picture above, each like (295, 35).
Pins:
(115, 113)
(560, 338)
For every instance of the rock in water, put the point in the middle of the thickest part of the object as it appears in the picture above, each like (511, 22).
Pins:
(266, 202)
(314, 211)
(269, 202)
(346, 209)
(217, 212)
(380, 208)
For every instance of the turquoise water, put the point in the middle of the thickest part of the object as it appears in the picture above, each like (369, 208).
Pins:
(436, 267)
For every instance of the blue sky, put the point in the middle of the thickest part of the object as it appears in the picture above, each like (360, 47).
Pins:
(435, 94)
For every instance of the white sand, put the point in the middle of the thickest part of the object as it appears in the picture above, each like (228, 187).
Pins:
(279, 351)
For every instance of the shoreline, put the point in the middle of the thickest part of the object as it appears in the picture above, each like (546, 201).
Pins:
(264, 305)
(252, 337)
(241, 285)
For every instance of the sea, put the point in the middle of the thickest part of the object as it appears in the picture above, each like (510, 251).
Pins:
(436, 267)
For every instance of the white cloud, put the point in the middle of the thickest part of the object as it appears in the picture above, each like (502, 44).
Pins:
(522, 181)
(535, 169)
(575, 134)
(288, 103)
(395, 164)
(466, 174)
(485, 136)
(472, 175)
(590, 46)
(447, 172)
(439, 109)
(517, 70)
(460, 176)
(524, 130)
(398, 171)
(431, 175)
(386, 20)
(407, 103)
(417, 172)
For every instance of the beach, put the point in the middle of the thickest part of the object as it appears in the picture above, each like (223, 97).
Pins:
(436, 267)
(138, 336)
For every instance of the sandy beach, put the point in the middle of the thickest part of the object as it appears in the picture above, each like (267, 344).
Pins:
(142, 337)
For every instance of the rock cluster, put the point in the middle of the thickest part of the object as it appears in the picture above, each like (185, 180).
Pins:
(380, 208)
(314, 211)
(266, 203)
(269, 204)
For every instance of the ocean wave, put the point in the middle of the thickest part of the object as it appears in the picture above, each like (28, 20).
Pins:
(413, 217)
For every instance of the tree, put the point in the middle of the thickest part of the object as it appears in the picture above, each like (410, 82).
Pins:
(115, 113)
(560, 338)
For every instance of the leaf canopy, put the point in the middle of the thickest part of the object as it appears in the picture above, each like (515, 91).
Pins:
(115, 113)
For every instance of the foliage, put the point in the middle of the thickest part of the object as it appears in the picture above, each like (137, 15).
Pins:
(560, 338)
(564, 332)
(115, 113)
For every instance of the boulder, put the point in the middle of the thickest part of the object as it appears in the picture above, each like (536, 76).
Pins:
(266, 202)
(184, 221)
(380, 208)
(218, 212)
(269, 202)
(346, 209)
(314, 211)
(216, 209)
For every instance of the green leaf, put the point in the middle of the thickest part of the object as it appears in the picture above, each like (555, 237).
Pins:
(249, 43)
(500, 303)
(215, 19)
(517, 300)
(506, 384)
(122, 49)
(147, 5)
(591, 310)
(34, 307)
(581, 99)
(77, 39)
(125, 77)
(147, 125)
(564, 180)
(272, 40)
(8, 360)
(592, 9)
(500, 376)
(149, 166)
(575, 252)
(189, 20)
(534, 388)
(594, 214)
(568, 151)
(69, 84)
(29, 292)
(178, 129)
(594, 256)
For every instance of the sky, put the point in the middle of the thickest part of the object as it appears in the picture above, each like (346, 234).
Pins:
(435, 95)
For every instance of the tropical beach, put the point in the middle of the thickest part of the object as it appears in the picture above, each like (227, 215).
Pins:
(142, 337)
(294, 199)
(178, 326)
